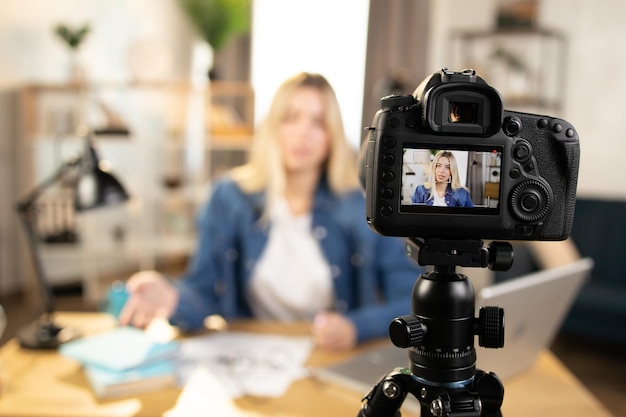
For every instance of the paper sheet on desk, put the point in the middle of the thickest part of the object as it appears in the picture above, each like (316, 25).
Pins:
(204, 396)
(246, 363)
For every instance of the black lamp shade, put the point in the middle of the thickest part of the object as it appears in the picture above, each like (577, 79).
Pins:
(96, 187)
(103, 190)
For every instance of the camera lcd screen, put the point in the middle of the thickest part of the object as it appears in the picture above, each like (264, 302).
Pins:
(455, 181)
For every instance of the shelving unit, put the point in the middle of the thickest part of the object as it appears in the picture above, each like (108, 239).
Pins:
(149, 133)
(526, 65)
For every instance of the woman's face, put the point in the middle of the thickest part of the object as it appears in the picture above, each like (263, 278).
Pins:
(442, 169)
(302, 133)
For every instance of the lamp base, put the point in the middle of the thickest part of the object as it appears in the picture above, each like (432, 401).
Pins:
(45, 334)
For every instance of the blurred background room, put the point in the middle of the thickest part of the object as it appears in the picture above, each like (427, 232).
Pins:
(168, 111)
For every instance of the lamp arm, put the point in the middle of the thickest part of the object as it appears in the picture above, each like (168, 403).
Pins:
(26, 211)
(27, 202)
(27, 218)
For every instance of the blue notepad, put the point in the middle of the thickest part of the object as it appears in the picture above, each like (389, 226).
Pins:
(120, 349)
(107, 383)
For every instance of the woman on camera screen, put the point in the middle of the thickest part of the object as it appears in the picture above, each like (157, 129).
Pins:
(444, 189)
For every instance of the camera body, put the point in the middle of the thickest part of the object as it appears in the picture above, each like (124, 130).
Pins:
(449, 162)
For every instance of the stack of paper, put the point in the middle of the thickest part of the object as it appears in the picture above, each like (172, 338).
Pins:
(124, 361)
(256, 364)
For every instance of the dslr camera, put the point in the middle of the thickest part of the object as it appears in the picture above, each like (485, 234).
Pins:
(449, 162)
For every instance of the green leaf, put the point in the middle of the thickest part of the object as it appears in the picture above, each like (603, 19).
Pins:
(73, 37)
(217, 20)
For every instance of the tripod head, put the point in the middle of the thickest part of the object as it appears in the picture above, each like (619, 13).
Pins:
(439, 335)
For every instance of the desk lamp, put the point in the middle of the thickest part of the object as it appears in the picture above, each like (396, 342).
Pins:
(93, 188)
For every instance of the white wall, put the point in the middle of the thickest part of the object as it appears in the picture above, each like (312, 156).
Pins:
(595, 68)
(29, 51)
(596, 89)
(596, 64)
(325, 36)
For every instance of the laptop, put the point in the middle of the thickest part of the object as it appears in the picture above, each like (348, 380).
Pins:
(534, 306)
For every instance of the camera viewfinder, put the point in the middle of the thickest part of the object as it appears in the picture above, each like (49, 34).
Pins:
(462, 112)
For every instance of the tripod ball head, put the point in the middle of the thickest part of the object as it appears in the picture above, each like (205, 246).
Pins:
(439, 336)
(408, 331)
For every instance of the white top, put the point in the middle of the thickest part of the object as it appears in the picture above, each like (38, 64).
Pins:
(439, 201)
(292, 280)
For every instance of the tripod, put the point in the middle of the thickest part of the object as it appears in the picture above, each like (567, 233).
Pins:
(439, 335)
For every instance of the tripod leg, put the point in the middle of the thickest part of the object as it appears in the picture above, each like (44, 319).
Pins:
(491, 392)
(386, 397)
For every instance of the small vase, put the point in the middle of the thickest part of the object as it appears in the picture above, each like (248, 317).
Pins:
(197, 127)
(201, 63)
(77, 73)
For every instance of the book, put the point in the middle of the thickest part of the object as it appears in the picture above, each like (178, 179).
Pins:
(119, 349)
(107, 383)
(124, 361)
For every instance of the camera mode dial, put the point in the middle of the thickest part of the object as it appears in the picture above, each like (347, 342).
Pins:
(397, 102)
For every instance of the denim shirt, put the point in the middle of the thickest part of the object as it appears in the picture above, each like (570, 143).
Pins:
(453, 198)
(372, 276)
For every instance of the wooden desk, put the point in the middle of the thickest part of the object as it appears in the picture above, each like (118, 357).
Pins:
(47, 384)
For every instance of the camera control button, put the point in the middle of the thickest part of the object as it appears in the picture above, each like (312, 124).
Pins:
(387, 176)
(530, 200)
(389, 159)
(512, 126)
(529, 167)
(524, 230)
(394, 122)
(515, 173)
(386, 193)
(522, 151)
(557, 128)
(389, 141)
(542, 123)
(395, 101)
(386, 211)
(570, 133)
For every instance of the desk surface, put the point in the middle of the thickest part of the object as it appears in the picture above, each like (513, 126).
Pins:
(47, 384)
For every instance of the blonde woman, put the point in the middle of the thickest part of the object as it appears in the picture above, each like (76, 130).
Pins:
(444, 189)
(284, 237)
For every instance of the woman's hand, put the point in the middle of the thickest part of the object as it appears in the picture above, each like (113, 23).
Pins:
(151, 295)
(334, 332)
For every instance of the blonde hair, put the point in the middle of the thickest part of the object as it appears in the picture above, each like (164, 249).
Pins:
(455, 179)
(265, 171)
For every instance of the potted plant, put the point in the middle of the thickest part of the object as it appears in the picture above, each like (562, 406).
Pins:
(73, 38)
(216, 21)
